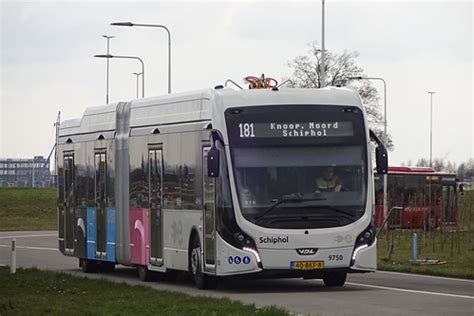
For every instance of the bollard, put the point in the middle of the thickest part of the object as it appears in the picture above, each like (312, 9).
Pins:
(13, 258)
(413, 248)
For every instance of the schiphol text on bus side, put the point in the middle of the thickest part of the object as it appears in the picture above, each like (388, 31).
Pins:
(262, 182)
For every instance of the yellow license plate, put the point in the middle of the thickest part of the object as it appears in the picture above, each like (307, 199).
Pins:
(307, 265)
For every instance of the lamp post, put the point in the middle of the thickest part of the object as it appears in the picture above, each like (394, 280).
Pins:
(137, 74)
(107, 80)
(431, 156)
(323, 52)
(129, 57)
(130, 24)
(431, 127)
(385, 138)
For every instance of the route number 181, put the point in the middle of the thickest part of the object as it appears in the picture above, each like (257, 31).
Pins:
(246, 130)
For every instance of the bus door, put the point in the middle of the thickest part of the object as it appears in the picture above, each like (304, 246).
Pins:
(100, 202)
(209, 198)
(155, 185)
(69, 200)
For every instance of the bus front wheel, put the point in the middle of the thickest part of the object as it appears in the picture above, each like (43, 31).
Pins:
(202, 280)
(334, 278)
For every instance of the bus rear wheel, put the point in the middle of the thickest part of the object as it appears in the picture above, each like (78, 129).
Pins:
(88, 266)
(107, 267)
(335, 279)
(202, 280)
(145, 274)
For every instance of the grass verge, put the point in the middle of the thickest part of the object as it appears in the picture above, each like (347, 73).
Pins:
(36, 292)
(455, 248)
(28, 209)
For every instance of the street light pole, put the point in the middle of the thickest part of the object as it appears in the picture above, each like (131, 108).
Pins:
(169, 42)
(431, 127)
(129, 57)
(431, 157)
(323, 52)
(385, 137)
(107, 80)
(137, 74)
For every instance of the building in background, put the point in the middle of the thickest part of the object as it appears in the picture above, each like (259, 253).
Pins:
(17, 172)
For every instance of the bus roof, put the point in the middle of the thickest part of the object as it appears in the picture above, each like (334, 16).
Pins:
(202, 105)
(416, 170)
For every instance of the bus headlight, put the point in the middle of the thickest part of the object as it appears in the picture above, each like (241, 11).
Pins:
(243, 240)
(255, 252)
(364, 240)
(356, 251)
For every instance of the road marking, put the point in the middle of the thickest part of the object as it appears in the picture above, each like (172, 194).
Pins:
(33, 248)
(410, 291)
(426, 276)
(26, 236)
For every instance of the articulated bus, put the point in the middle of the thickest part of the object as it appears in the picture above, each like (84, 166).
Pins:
(221, 182)
(428, 198)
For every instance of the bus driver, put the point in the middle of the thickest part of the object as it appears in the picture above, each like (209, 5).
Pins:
(328, 182)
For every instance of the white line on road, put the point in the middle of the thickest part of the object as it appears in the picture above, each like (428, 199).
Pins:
(26, 236)
(425, 276)
(33, 248)
(410, 291)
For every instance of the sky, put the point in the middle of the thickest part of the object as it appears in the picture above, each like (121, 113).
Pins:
(47, 64)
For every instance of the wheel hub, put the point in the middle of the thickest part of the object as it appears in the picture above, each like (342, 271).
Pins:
(195, 260)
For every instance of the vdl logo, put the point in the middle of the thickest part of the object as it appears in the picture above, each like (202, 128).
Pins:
(306, 251)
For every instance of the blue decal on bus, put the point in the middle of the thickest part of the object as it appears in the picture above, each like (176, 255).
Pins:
(230, 260)
(237, 260)
(110, 248)
(246, 260)
(90, 233)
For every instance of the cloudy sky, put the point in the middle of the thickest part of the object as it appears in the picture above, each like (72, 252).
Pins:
(416, 46)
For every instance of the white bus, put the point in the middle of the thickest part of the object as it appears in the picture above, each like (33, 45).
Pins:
(221, 182)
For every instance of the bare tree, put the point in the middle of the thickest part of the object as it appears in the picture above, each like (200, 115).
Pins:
(423, 162)
(465, 170)
(438, 164)
(451, 167)
(339, 67)
(461, 173)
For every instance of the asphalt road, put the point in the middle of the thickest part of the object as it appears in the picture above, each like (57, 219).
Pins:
(378, 293)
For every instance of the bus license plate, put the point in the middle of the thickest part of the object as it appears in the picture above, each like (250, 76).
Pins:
(307, 265)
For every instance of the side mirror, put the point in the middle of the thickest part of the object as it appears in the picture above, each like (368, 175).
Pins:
(381, 159)
(213, 158)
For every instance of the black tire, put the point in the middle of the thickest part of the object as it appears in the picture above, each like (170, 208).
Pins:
(202, 280)
(335, 279)
(145, 274)
(88, 266)
(107, 267)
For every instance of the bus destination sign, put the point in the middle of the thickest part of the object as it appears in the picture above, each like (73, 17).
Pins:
(295, 129)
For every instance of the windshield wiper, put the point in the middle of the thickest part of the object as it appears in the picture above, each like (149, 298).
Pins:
(335, 209)
(289, 200)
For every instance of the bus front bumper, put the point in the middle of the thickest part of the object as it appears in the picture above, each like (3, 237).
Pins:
(233, 261)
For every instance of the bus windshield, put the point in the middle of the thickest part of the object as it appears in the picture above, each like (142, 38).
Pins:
(297, 181)
(325, 184)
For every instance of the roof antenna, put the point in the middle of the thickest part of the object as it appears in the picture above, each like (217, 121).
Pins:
(231, 81)
(285, 82)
